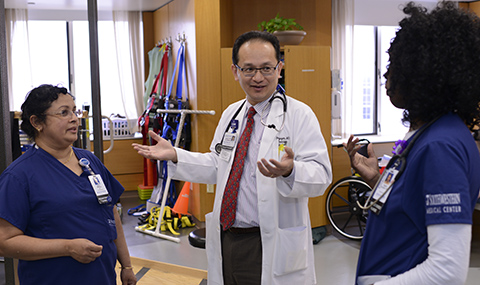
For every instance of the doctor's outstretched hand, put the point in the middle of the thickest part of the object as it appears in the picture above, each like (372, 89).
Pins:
(163, 150)
(273, 168)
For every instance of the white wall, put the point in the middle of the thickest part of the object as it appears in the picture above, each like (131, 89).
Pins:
(383, 12)
(66, 15)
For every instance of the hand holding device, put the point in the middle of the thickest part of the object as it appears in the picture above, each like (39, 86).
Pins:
(365, 165)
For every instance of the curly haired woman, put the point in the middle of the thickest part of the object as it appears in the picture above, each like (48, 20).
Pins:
(419, 231)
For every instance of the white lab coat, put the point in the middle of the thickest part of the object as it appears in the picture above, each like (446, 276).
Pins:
(283, 211)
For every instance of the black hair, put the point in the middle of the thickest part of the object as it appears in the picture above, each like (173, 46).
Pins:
(255, 35)
(435, 63)
(37, 101)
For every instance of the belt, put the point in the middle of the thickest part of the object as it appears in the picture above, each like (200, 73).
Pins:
(244, 230)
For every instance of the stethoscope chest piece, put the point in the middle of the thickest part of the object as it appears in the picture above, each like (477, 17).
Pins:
(218, 147)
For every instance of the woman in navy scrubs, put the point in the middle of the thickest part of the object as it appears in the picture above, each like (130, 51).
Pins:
(56, 216)
(419, 232)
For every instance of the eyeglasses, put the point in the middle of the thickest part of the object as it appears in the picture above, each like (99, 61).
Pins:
(67, 113)
(251, 71)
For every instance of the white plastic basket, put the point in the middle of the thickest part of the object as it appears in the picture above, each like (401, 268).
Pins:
(120, 128)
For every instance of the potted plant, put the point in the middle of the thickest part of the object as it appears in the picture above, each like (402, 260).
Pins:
(287, 31)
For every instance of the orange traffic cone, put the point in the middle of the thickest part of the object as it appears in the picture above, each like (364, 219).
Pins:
(181, 206)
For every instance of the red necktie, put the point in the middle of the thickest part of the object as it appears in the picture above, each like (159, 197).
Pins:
(229, 202)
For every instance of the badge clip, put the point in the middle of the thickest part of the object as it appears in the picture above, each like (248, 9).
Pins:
(234, 125)
(96, 181)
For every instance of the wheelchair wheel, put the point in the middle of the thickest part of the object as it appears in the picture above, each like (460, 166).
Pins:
(343, 212)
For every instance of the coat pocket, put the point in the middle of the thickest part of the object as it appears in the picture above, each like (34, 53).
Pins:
(290, 251)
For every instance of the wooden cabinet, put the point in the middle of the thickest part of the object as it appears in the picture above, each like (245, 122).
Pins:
(124, 163)
(308, 79)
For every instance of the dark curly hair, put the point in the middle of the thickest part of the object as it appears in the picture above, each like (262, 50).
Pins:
(255, 35)
(435, 63)
(37, 101)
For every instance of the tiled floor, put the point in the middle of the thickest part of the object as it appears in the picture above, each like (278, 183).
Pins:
(335, 256)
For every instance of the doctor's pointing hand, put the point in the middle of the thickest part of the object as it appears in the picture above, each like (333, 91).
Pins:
(164, 150)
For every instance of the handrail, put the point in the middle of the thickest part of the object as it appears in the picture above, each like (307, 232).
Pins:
(110, 127)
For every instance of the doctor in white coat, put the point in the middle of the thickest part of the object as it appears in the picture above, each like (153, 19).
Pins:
(287, 162)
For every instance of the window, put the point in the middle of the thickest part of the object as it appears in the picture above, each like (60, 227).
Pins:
(363, 97)
(109, 85)
(372, 112)
(390, 117)
(44, 61)
(49, 53)
(49, 63)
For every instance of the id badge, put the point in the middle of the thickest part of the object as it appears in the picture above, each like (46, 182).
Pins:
(382, 189)
(99, 187)
(229, 140)
(282, 143)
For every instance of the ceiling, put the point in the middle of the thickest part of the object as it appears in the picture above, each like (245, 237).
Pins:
(103, 5)
(120, 5)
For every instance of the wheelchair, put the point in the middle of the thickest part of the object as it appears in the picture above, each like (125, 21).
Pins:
(343, 212)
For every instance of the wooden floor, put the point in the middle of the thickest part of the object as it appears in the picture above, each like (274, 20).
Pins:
(158, 273)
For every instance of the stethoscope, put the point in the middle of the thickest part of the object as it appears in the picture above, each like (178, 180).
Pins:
(282, 97)
(398, 162)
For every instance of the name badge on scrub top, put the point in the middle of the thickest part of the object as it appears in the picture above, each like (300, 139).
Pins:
(382, 189)
(99, 188)
(97, 183)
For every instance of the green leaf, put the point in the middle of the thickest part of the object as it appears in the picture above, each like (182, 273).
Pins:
(278, 24)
